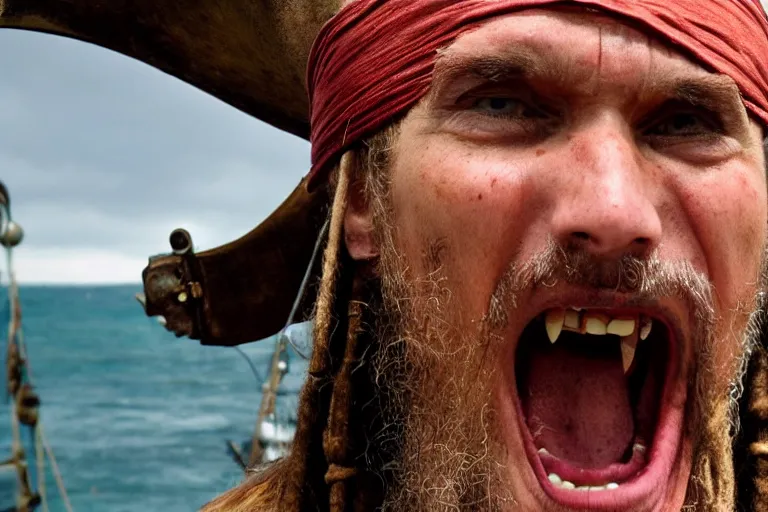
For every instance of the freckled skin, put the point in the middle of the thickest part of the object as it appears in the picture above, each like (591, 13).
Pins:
(494, 201)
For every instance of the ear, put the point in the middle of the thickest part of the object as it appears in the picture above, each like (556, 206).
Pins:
(358, 225)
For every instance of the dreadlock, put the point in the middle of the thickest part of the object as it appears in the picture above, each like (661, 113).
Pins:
(326, 469)
(751, 446)
(328, 466)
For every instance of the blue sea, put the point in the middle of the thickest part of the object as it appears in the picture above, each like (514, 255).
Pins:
(137, 418)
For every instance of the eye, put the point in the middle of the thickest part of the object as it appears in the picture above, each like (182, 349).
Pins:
(687, 123)
(499, 106)
(507, 111)
(689, 132)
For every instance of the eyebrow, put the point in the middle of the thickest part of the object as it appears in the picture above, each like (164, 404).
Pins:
(494, 69)
(513, 65)
(717, 93)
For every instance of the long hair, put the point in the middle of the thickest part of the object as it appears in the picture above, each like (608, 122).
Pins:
(321, 471)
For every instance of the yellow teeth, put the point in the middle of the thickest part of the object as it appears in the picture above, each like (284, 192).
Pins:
(622, 326)
(629, 329)
(554, 323)
(628, 349)
(572, 320)
(596, 323)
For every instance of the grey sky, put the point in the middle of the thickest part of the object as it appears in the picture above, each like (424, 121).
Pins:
(104, 156)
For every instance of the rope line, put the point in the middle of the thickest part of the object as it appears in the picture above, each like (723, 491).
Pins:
(282, 337)
(55, 471)
(21, 377)
(297, 301)
(256, 374)
(40, 456)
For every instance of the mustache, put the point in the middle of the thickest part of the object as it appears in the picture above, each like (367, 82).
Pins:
(646, 279)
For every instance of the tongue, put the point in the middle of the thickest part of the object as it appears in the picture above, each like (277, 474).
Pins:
(577, 402)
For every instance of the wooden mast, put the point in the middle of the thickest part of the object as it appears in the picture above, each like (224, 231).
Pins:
(269, 390)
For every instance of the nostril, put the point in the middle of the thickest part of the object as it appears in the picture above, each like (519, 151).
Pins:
(584, 240)
(580, 235)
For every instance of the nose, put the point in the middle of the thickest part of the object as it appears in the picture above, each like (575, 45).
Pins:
(603, 204)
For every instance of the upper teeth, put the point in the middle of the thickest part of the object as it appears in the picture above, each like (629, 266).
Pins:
(645, 328)
(600, 323)
(622, 326)
(555, 321)
(572, 320)
(628, 349)
(595, 323)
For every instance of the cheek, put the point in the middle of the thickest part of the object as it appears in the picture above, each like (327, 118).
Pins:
(477, 209)
(728, 213)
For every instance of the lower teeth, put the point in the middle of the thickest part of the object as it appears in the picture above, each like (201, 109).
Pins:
(565, 484)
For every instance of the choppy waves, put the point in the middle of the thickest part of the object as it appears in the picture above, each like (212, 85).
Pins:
(137, 418)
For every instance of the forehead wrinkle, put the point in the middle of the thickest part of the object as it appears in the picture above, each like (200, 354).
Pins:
(505, 52)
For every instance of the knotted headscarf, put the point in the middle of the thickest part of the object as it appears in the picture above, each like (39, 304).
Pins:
(374, 60)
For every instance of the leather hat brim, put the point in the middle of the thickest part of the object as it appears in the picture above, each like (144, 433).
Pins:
(251, 54)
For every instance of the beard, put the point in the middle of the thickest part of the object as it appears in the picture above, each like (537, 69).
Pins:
(436, 377)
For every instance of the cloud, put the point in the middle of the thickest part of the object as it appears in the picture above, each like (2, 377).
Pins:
(104, 156)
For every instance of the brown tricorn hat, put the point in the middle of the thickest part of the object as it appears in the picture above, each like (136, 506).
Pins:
(251, 54)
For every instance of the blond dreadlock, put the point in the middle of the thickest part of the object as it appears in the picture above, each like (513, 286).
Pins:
(327, 471)
(319, 459)
(292, 484)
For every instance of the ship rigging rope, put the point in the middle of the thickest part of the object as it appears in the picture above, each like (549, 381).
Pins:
(281, 336)
(42, 447)
(254, 371)
(40, 460)
(300, 295)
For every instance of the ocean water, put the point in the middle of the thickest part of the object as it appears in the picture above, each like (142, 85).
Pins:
(137, 418)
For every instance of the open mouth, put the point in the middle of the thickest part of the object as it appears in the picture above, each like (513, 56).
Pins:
(592, 386)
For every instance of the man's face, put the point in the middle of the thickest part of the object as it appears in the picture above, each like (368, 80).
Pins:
(569, 133)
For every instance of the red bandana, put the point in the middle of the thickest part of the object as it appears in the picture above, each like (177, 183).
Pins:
(373, 61)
